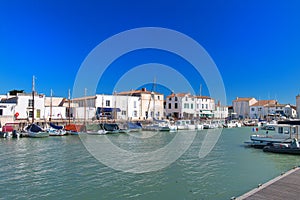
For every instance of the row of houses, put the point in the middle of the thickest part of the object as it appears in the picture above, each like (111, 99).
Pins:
(128, 105)
(136, 105)
(255, 109)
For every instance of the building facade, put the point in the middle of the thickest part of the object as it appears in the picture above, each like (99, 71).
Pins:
(187, 106)
(241, 106)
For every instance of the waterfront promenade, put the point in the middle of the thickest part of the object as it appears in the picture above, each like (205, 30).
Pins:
(285, 186)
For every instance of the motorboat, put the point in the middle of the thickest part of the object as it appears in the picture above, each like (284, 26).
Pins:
(284, 148)
(282, 133)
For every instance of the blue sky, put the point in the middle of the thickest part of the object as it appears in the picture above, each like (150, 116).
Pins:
(255, 44)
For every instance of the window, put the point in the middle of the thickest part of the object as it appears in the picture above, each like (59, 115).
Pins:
(158, 114)
(252, 109)
(30, 113)
(135, 113)
(176, 99)
(107, 103)
(186, 98)
(202, 106)
(134, 104)
(206, 106)
(170, 99)
(30, 102)
(123, 112)
(186, 105)
(192, 106)
(146, 114)
(176, 106)
(170, 105)
(1, 112)
(158, 97)
(152, 114)
(38, 113)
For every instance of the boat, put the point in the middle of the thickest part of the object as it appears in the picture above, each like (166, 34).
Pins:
(74, 129)
(36, 131)
(157, 125)
(33, 129)
(232, 124)
(250, 123)
(292, 148)
(282, 133)
(110, 127)
(134, 127)
(185, 124)
(210, 125)
(9, 130)
(55, 130)
(95, 129)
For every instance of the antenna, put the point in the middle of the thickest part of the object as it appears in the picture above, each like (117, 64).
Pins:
(33, 91)
(200, 92)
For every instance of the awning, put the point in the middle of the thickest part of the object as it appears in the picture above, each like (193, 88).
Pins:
(206, 112)
(101, 109)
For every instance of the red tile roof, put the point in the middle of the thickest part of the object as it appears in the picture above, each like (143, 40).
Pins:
(264, 102)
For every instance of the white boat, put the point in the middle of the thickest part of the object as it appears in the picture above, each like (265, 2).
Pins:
(54, 130)
(185, 124)
(210, 125)
(157, 125)
(99, 132)
(36, 131)
(282, 133)
(232, 124)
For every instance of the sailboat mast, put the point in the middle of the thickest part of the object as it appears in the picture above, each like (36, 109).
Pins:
(85, 105)
(33, 91)
(69, 100)
(50, 105)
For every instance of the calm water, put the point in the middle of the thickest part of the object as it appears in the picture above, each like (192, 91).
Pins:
(61, 167)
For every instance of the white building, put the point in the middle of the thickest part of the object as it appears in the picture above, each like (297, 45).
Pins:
(221, 112)
(285, 110)
(146, 106)
(23, 108)
(241, 106)
(298, 105)
(7, 111)
(185, 105)
(118, 106)
(55, 108)
(205, 107)
(261, 109)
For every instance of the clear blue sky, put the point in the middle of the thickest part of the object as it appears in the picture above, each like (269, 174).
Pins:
(255, 44)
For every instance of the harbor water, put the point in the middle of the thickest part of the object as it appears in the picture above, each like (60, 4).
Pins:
(62, 168)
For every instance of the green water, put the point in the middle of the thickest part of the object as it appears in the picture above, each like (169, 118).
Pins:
(62, 168)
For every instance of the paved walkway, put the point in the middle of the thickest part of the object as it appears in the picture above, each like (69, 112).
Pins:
(286, 186)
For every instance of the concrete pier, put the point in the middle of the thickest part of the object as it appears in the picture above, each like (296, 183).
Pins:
(285, 186)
